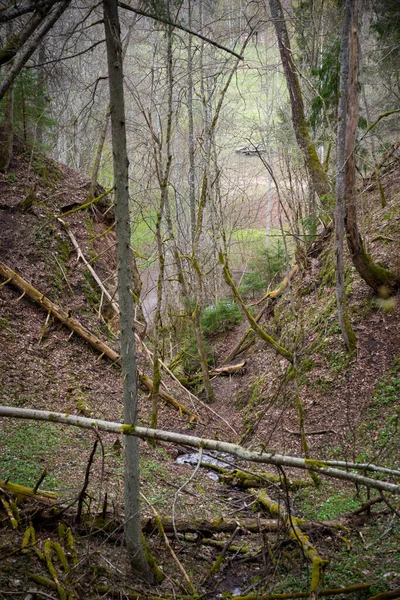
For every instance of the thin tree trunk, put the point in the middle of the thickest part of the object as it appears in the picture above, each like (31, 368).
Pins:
(164, 182)
(345, 141)
(7, 135)
(42, 78)
(192, 185)
(126, 303)
(99, 151)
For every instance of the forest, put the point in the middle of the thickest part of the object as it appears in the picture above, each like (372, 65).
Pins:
(199, 283)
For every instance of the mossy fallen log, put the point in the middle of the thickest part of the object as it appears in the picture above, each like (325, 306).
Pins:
(22, 492)
(272, 296)
(75, 326)
(322, 467)
(248, 480)
(294, 526)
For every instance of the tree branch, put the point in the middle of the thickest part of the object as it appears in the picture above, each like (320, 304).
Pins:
(181, 27)
(30, 48)
(317, 466)
(8, 13)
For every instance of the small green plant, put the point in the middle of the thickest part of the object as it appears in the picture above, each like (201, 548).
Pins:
(387, 391)
(12, 178)
(220, 317)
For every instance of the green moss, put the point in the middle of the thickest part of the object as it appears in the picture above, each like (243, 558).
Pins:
(316, 463)
(127, 429)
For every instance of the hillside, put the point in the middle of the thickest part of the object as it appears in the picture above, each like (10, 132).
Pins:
(350, 403)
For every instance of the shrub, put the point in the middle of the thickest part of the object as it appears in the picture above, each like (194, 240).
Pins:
(267, 264)
(220, 317)
(190, 356)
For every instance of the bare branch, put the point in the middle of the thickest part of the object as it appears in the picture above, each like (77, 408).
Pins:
(181, 27)
(9, 13)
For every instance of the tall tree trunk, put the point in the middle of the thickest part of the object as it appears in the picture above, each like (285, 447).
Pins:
(192, 185)
(345, 143)
(99, 151)
(103, 131)
(164, 183)
(126, 304)
(374, 275)
(316, 171)
(42, 79)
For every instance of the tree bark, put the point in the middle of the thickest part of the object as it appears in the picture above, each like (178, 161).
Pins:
(7, 135)
(316, 171)
(133, 532)
(374, 275)
(345, 141)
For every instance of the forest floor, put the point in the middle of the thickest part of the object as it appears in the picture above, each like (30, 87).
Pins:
(351, 411)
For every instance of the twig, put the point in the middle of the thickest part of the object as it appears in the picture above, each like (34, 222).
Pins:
(40, 481)
(63, 273)
(44, 329)
(320, 432)
(168, 545)
(38, 593)
(82, 493)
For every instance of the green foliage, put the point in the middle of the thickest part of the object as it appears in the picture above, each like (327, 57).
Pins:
(387, 391)
(267, 264)
(327, 77)
(12, 178)
(191, 360)
(31, 105)
(220, 317)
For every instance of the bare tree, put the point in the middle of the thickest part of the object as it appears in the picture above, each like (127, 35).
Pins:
(128, 355)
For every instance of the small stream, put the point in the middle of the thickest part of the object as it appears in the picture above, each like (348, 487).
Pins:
(219, 459)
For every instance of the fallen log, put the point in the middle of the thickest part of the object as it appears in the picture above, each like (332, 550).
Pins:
(318, 466)
(221, 525)
(21, 492)
(272, 295)
(293, 525)
(228, 369)
(117, 593)
(75, 326)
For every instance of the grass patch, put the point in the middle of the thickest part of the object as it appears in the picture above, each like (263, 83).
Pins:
(26, 449)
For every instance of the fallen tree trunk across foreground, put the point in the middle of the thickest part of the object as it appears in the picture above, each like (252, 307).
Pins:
(322, 467)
